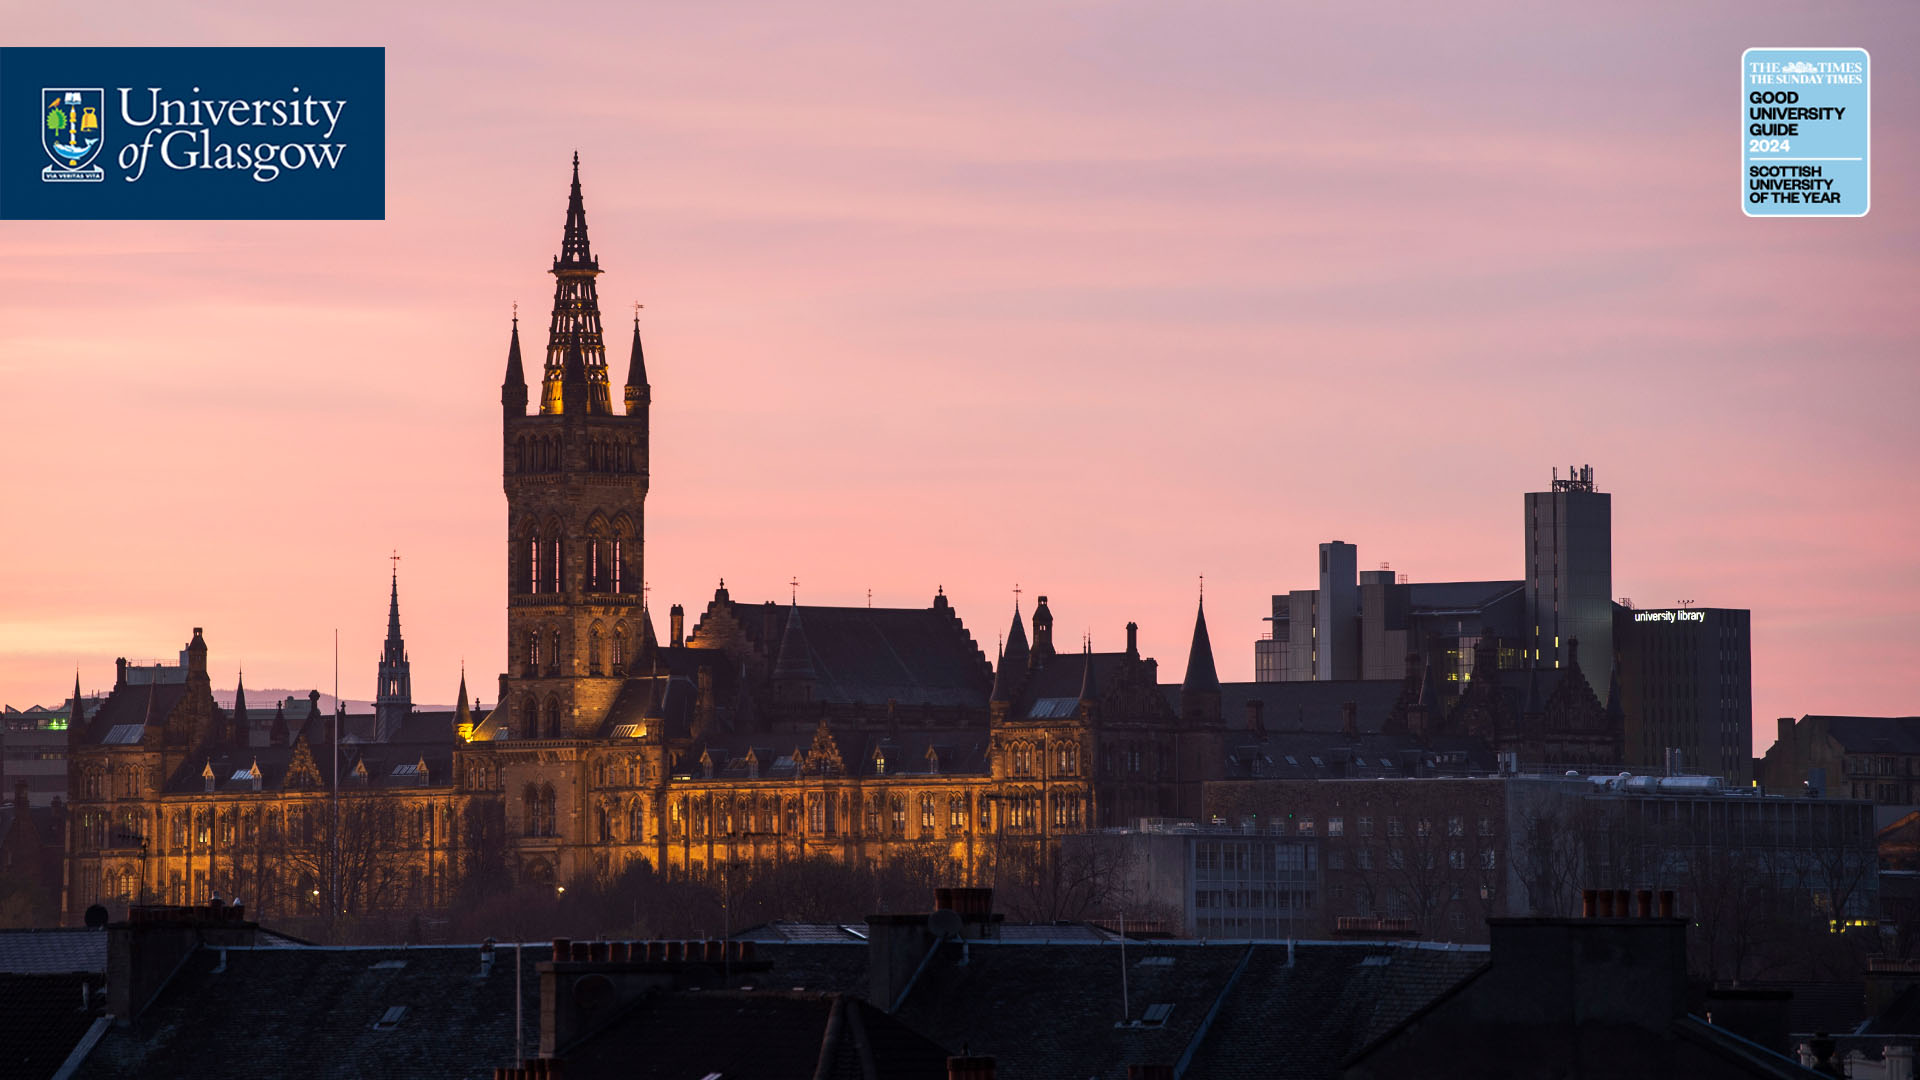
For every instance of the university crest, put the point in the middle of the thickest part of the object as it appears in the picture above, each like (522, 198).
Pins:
(72, 130)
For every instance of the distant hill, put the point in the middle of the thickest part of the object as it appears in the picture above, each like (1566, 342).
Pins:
(268, 697)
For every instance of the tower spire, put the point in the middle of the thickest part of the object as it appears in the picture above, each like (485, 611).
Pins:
(77, 719)
(1201, 674)
(240, 708)
(395, 698)
(576, 311)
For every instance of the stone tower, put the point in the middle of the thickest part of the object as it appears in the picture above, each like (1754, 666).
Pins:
(576, 484)
(395, 697)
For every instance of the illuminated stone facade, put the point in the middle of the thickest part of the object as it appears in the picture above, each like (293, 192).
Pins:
(766, 732)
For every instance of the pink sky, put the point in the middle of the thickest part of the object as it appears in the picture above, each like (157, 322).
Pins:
(1094, 298)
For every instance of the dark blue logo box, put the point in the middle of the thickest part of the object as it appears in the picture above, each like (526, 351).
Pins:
(201, 133)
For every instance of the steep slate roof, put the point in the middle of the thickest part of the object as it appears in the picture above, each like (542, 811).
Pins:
(1304, 706)
(915, 656)
(1873, 734)
(1055, 686)
(1303, 1018)
(52, 951)
(754, 1035)
(1291, 756)
(1053, 1010)
(134, 703)
(41, 1022)
(310, 1012)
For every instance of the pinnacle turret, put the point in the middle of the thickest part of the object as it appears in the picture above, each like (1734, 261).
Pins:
(513, 389)
(795, 660)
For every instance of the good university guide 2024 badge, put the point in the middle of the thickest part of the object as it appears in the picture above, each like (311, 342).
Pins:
(72, 132)
(1805, 132)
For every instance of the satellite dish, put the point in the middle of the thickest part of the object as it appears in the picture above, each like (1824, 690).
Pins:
(944, 923)
(96, 917)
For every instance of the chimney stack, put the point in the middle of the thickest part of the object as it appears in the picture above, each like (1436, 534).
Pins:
(677, 619)
(1133, 640)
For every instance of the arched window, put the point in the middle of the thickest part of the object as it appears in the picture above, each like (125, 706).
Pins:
(603, 824)
(554, 570)
(529, 725)
(637, 821)
(618, 584)
(553, 661)
(593, 651)
(619, 648)
(533, 652)
(552, 728)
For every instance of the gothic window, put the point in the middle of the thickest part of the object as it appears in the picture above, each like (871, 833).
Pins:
(898, 805)
(520, 455)
(677, 818)
(603, 824)
(637, 821)
(555, 569)
(619, 647)
(873, 816)
(593, 651)
(553, 661)
(552, 729)
(548, 820)
(530, 810)
(616, 566)
(533, 651)
(1068, 759)
(593, 566)
(533, 565)
(816, 813)
(927, 815)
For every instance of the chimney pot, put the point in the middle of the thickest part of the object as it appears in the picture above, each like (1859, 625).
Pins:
(599, 952)
(582, 951)
(1606, 904)
(1589, 903)
(562, 949)
(1643, 904)
(1666, 903)
(1622, 904)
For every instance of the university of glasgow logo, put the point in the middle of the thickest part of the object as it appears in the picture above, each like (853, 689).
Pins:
(73, 127)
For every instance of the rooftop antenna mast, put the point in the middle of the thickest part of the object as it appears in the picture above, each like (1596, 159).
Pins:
(334, 909)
